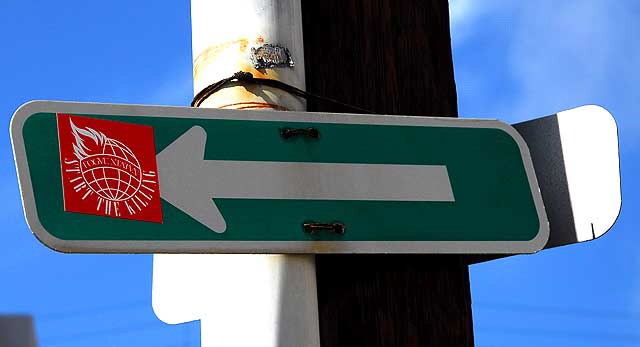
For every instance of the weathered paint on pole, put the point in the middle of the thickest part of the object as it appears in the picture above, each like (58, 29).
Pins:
(224, 35)
(242, 300)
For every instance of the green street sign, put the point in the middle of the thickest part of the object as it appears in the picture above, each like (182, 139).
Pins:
(102, 178)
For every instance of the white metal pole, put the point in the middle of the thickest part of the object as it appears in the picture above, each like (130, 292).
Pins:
(242, 300)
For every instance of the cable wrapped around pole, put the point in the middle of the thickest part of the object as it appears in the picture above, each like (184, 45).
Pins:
(247, 77)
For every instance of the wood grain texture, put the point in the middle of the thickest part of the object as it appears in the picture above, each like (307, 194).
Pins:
(393, 300)
(390, 57)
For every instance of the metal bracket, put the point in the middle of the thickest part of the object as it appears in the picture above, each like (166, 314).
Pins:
(288, 133)
(313, 227)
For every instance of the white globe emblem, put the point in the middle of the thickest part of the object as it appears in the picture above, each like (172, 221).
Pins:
(108, 169)
(109, 181)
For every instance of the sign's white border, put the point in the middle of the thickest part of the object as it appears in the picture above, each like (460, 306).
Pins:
(132, 246)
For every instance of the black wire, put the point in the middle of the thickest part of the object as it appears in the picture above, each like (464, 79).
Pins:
(247, 77)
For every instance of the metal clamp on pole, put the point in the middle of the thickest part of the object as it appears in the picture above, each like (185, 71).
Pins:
(312, 227)
(288, 133)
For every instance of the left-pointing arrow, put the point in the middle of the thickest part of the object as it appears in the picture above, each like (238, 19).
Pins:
(190, 183)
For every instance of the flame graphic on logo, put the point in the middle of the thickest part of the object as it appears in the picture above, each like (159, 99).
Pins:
(80, 148)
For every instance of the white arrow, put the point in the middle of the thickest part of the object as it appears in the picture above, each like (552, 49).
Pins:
(190, 183)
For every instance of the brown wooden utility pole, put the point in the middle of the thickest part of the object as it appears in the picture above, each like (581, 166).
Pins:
(391, 57)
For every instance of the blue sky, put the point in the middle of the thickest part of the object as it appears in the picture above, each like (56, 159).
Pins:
(514, 60)
(518, 60)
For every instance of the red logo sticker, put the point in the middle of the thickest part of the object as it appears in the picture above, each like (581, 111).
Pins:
(109, 168)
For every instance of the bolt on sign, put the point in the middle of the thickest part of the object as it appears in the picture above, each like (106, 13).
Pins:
(102, 178)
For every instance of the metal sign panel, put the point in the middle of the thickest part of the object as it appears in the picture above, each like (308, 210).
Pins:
(246, 182)
(575, 154)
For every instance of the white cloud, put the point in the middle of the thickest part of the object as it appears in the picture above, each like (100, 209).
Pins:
(461, 16)
(465, 16)
(569, 54)
(559, 55)
(566, 53)
(461, 10)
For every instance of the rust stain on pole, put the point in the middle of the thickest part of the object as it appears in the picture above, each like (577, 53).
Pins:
(213, 64)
